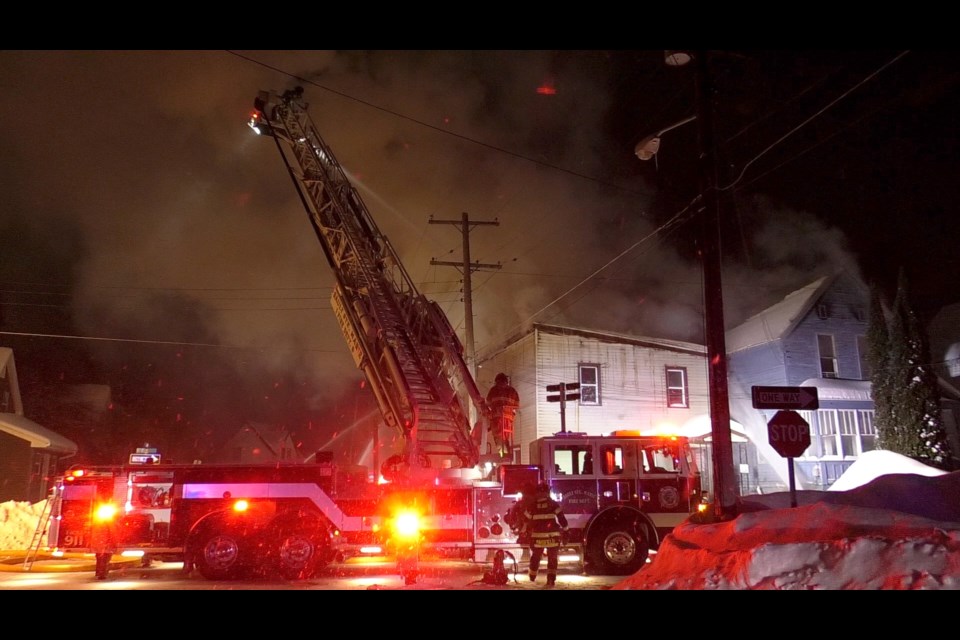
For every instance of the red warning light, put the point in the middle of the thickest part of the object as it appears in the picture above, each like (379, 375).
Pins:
(546, 89)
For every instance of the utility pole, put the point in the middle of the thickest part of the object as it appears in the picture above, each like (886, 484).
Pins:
(466, 268)
(725, 488)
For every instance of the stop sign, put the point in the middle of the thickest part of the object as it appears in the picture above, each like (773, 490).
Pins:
(789, 434)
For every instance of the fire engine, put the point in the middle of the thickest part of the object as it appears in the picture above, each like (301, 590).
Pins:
(621, 493)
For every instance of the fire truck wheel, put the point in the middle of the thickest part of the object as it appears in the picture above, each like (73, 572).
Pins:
(218, 554)
(615, 551)
(298, 555)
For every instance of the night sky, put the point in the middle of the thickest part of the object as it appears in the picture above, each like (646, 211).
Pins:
(140, 215)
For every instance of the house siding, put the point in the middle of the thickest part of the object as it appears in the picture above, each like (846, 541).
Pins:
(841, 302)
(632, 384)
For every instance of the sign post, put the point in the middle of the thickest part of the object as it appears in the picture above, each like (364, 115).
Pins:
(563, 397)
(789, 435)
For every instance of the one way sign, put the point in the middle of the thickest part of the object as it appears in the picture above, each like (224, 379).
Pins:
(794, 398)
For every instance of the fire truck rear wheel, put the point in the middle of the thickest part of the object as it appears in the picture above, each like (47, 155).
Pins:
(615, 551)
(218, 555)
(298, 555)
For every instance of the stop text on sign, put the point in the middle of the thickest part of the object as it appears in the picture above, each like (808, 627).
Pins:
(789, 434)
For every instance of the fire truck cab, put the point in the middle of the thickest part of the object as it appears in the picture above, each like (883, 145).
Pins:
(621, 494)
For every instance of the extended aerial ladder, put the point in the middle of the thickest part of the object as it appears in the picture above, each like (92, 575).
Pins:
(409, 353)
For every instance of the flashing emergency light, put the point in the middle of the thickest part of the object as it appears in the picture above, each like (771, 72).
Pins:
(240, 506)
(105, 512)
(407, 524)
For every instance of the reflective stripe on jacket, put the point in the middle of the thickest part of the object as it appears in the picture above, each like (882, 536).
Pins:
(545, 522)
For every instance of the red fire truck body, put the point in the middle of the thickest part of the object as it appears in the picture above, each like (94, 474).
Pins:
(292, 519)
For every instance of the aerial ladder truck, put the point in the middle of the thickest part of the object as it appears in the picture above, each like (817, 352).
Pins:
(403, 342)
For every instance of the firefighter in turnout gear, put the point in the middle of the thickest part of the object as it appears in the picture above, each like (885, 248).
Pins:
(547, 527)
(504, 401)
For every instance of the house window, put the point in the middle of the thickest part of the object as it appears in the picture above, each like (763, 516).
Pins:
(827, 433)
(862, 349)
(677, 387)
(828, 356)
(848, 433)
(868, 432)
(589, 384)
(810, 418)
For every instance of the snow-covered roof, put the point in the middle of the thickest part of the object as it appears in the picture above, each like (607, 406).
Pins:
(779, 320)
(39, 437)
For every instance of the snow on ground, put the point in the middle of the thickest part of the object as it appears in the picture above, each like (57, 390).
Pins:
(896, 526)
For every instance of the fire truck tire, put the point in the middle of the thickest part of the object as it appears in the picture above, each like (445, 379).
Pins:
(299, 555)
(218, 555)
(614, 550)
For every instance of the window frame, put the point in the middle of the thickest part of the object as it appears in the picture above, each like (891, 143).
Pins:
(684, 388)
(593, 385)
(832, 357)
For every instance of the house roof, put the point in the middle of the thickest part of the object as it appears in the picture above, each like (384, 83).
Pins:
(39, 437)
(623, 338)
(777, 321)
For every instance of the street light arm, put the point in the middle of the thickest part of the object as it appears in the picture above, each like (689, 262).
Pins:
(648, 147)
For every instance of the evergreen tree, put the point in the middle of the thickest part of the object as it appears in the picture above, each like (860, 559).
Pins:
(878, 357)
(914, 393)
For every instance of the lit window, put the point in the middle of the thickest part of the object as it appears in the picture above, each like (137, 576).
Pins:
(589, 384)
(677, 395)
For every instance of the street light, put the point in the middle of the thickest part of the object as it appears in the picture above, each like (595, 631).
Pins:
(648, 147)
(724, 485)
